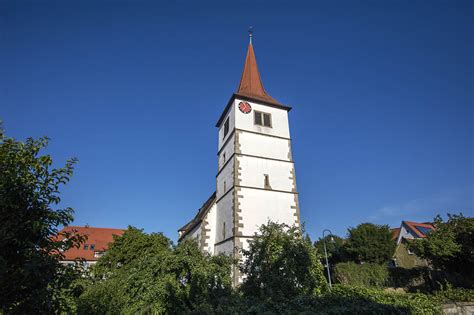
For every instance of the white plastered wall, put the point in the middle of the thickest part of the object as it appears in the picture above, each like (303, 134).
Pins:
(264, 146)
(231, 117)
(227, 150)
(259, 206)
(404, 234)
(253, 172)
(224, 248)
(225, 175)
(224, 214)
(195, 233)
(279, 127)
(211, 218)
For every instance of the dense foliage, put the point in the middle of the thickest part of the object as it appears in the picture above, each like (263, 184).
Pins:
(338, 300)
(144, 273)
(30, 274)
(383, 276)
(281, 264)
(367, 275)
(450, 246)
(334, 247)
(370, 243)
(448, 293)
(359, 300)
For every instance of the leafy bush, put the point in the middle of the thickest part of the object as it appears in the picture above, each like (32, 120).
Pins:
(285, 277)
(334, 248)
(385, 303)
(413, 279)
(370, 243)
(449, 293)
(143, 273)
(420, 279)
(450, 246)
(367, 275)
(281, 264)
(31, 276)
(340, 300)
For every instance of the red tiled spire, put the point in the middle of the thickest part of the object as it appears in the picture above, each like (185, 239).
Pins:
(250, 84)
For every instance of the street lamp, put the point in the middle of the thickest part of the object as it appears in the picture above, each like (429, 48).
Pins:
(326, 254)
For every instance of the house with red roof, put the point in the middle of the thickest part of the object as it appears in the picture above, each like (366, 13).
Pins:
(96, 243)
(409, 231)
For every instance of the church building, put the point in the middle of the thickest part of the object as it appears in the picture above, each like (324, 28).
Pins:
(255, 179)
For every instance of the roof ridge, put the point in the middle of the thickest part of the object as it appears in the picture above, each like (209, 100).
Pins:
(92, 227)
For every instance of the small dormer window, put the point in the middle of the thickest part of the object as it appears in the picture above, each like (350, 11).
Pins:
(262, 119)
(226, 127)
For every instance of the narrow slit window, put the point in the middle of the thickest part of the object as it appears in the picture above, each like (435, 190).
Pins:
(267, 181)
(223, 158)
(223, 230)
(226, 127)
(225, 186)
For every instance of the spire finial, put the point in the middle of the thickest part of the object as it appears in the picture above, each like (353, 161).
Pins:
(250, 33)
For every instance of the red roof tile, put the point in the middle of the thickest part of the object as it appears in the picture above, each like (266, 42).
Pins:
(250, 84)
(99, 237)
(412, 226)
(395, 233)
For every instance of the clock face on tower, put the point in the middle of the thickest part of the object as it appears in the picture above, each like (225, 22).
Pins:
(245, 107)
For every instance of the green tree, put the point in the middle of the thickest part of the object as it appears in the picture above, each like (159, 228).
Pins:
(450, 246)
(281, 264)
(334, 247)
(125, 250)
(144, 273)
(370, 243)
(29, 251)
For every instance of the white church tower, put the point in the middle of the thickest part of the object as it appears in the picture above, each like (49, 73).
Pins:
(255, 179)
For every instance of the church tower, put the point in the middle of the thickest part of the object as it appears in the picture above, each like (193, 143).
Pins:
(255, 179)
(256, 174)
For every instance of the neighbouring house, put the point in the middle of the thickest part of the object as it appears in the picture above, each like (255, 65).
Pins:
(95, 246)
(407, 232)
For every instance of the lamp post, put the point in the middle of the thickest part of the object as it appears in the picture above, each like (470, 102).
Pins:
(326, 254)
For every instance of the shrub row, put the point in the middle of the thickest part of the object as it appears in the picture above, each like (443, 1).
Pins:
(340, 300)
(420, 279)
(365, 275)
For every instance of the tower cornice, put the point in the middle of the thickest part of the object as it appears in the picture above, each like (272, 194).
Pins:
(250, 99)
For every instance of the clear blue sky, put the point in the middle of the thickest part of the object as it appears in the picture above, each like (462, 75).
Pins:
(382, 97)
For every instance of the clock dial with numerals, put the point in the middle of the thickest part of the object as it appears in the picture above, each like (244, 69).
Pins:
(245, 107)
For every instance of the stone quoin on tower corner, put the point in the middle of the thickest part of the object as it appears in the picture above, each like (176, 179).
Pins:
(255, 180)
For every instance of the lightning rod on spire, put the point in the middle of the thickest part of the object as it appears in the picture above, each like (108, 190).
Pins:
(250, 33)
